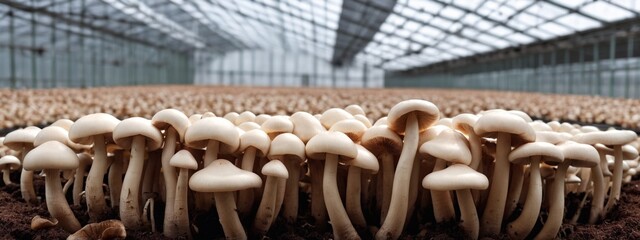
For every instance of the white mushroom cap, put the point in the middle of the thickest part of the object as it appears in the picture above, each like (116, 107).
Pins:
(464, 122)
(331, 143)
(580, 155)
(63, 123)
(245, 116)
(21, 138)
(83, 130)
(231, 117)
(426, 113)
(171, 117)
(183, 159)
(261, 118)
(381, 121)
(548, 153)
(305, 126)
(218, 129)
(354, 109)
(450, 146)
(490, 124)
(287, 144)
(127, 129)
(455, 177)
(275, 168)
(52, 133)
(552, 137)
(248, 126)
(9, 161)
(223, 176)
(255, 138)
(277, 125)
(51, 155)
(380, 139)
(351, 127)
(365, 160)
(538, 125)
(334, 115)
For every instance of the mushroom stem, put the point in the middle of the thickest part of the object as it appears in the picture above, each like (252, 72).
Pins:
(387, 183)
(67, 185)
(616, 179)
(78, 184)
(57, 203)
(342, 228)
(556, 205)
(26, 182)
(494, 210)
(290, 211)
(170, 183)
(5, 176)
(266, 210)
(476, 150)
(130, 200)
(442, 204)
(282, 183)
(520, 228)
(226, 207)
(245, 197)
(211, 153)
(115, 178)
(354, 209)
(394, 222)
(468, 214)
(318, 209)
(585, 179)
(597, 203)
(96, 204)
(180, 219)
(515, 189)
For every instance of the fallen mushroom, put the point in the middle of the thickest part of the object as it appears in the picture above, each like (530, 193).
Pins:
(108, 229)
(38, 223)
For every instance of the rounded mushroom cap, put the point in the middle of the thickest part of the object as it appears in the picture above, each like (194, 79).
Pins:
(609, 138)
(379, 139)
(231, 117)
(464, 122)
(426, 112)
(447, 122)
(127, 129)
(9, 161)
(548, 153)
(194, 118)
(455, 177)
(365, 160)
(51, 155)
(287, 144)
(381, 121)
(245, 116)
(248, 126)
(363, 119)
(552, 137)
(431, 133)
(213, 129)
(275, 168)
(354, 109)
(63, 123)
(208, 115)
(521, 114)
(52, 133)
(305, 125)
(223, 176)
(83, 130)
(538, 125)
(586, 129)
(555, 125)
(351, 127)
(21, 138)
(183, 159)
(331, 143)
(171, 117)
(491, 123)
(261, 118)
(255, 138)
(628, 151)
(579, 154)
(277, 125)
(450, 146)
(334, 115)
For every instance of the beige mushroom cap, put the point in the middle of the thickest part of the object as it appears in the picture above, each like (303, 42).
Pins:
(586, 129)
(351, 127)
(354, 109)
(245, 116)
(521, 114)
(365, 160)
(491, 123)
(548, 153)
(552, 137)
(447, 122)
(305, 125)
(287, 144)
(381, 121)
(127, 129)
(248, 126)
(580, 155)
(261, 118)
(275, 168)
(231, 117)
(51, 155)
(171, 117)
(363, 119)
(277, 124)
(52, 133)
(223, 176)
(538, 125)
(63, 123)
(331, 143)
(218, 129)
(9, 161)
(426, 112)
(464, 122)
(431, 133)
(83, 130)
(334, 115)
(455, 177)
(183, 159)
(450, 146)
(255, 138)
(194, 118)
(609, 138)
(379, 139)
(628, 151)
(209, 114)
(21, 138)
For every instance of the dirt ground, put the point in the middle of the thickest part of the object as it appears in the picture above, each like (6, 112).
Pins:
(622, 223)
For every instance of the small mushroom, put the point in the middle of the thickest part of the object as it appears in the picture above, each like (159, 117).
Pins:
(22, 140)
(8, 163)
(289, 149)
(366, 161)
(38, 223)
(254, 143)
(267, 211)
(183, 161)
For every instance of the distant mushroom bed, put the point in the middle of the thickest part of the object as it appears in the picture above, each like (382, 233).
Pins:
(369, 163)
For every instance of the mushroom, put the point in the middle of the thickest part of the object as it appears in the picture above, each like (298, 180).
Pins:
(38, 223)
(351, 127)
(331, 147)
(95, 129)
(139, 135)
(505, 127)
(408, 117)
(267, 213)
(22, 140)
(289, 149)
(575, 154)
(615, 138)
(209, 133)
(254, 143)
(532, 153)
(52, 157)
(63, 123)
(182, 160)
(462, 179)
(305, 126)
(175, 124)
(243, 117)
(333, 115)
(231, 116)
(354, 109)
(84, 163)
(277, 125)
(8, 163)
(366, 161)
(465, 124)
(223, 178)
(108, 229)
(261, 118)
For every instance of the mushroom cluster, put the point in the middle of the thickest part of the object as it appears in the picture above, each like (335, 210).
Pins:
(493, 172)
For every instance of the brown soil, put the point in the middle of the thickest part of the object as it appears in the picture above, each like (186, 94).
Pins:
(622, 223)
